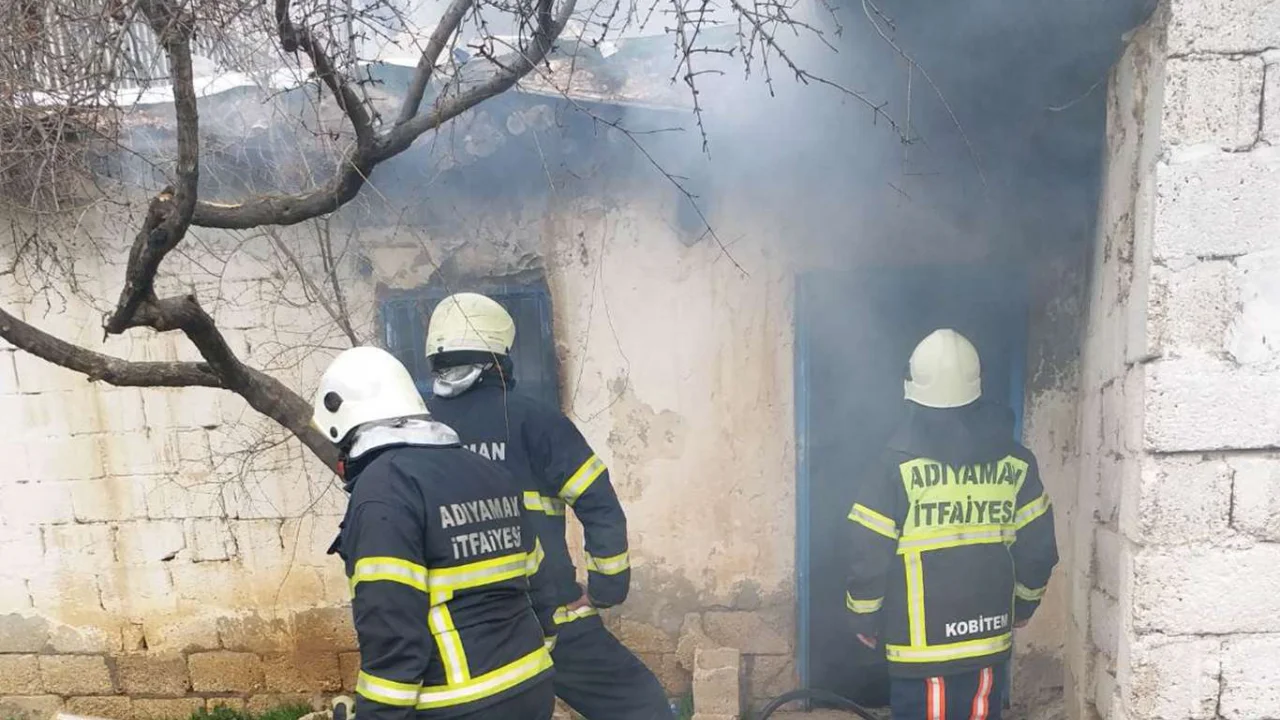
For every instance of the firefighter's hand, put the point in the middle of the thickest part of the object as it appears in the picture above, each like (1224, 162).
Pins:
(870, 641)
(581, 602)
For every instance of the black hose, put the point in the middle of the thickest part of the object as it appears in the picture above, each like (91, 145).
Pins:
(824, 696)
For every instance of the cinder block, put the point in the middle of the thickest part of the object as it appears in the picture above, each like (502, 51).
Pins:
(1212, 100)
(20, 675)
(101, 636)
(181, 497)
(1108, 546)
(188, 633)
(1197, 303)
(210, 540)
(115, 707)
(1207, 590)
(1223, 26)
(14, 596)
(349, 669)
(38, 376)
(130, 454)
(222, 671)
(149, 541)
(185, 408)
(1271, 94)
(165, 708)
(1179, 500)
(302, 673)
(150, 674)
(29, 707)
(137, 590)
(210, 585)
(79, 547)
(1203, 404)
(1256, 488)
(1250, 677)
(1256, 321)
(1217, 204)
(716, 681)
(45, 415)
(14, 451)
(8, 373)
(768, 677)
(1163, 677)
(76, 675)
(69, 458)
(1104, 627)
(325, 629)
(264, 703)
(109, 499)
(66, 592)
(40, 503)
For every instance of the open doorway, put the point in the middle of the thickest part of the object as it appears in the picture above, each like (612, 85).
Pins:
(854, 334)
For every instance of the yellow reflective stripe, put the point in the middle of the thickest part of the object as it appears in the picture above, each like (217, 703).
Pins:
(915, 598)
(609, 565)
(485, 572)
(953, 651)
(862, 607)
(1022, 592)
(582, 479)
(550, 642)
(387, 692)
(488, 684)
(874, 521)
(977, 535)
(452, 654)
(1031, 511)
(543, 504)
(534, 560)
(564, 615)
(391, 569)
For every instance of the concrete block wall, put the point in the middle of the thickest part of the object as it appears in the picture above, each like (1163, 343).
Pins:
(1176, 574)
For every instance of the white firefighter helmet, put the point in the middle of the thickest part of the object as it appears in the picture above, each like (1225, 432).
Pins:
(944, 372)
(363, 385)
(470, 322)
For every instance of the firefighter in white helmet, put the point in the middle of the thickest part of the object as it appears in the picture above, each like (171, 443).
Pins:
(469, 340)
(952, 539)
(439, 555)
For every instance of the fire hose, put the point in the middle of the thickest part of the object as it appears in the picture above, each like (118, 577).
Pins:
(823, 696)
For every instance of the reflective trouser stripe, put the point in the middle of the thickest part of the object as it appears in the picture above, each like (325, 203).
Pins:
(979, 535)
(488, 684)
(609, 565)
(982, 700)
(534, 560)
(935, 701)
(862, 607)
(543, 504)
(952, 651)
(576, 485)
(485, 572)
(390, 569)
(915, 598)
(452, 654)
(564, 615)
(1031, 511)
(1022, 592)
(874, 521)
(387, 692)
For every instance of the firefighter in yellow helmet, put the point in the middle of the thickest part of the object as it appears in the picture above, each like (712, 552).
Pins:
(953, 542)
(440, 589)
(469, 340)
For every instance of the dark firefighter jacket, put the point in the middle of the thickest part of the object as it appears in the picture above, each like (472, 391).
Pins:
(556, 469)
(953, 542)
(439, 555)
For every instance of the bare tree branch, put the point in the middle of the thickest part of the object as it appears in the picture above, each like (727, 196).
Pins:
(294, 38)
(96, 366)
(448, 25)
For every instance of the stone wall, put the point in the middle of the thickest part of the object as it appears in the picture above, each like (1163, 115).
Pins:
(1174, 583)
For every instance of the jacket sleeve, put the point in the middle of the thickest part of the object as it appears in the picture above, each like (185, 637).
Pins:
(384, 547)
(1035, 548)
(875, 522)
(579, 477)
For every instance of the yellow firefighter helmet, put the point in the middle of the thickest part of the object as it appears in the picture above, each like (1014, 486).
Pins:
(945, 371)
(470, 322)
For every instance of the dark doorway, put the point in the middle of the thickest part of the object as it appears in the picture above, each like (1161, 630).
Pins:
(854, 334)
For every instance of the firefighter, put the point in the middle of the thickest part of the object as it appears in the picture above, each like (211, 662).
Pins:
(469, 340)
(953, 542)
(439, 554)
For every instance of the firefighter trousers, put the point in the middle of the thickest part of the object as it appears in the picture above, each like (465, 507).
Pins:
(975, 695)
(536, 703)
(601, 679)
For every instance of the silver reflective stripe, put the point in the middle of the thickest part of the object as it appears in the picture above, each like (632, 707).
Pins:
(1031, 511)
(873, 521)
(479, 573)
(387, 692)
(543, 504)
(907, 544)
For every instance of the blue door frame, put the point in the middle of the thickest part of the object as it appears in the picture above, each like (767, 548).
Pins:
(803, 399)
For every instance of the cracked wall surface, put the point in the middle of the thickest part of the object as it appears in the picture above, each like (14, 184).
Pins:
(1175, 569)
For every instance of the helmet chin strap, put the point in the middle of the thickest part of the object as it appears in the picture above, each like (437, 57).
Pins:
(453, 381)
